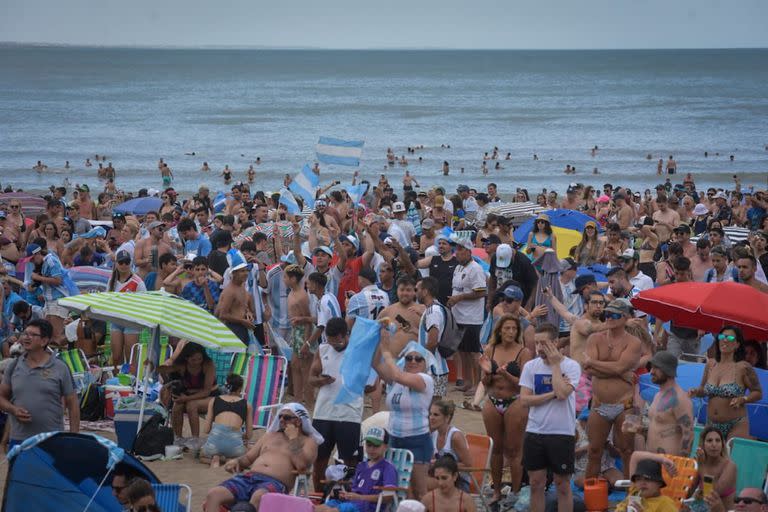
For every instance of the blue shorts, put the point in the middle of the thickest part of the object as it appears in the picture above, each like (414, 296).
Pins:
(122, 329)
(244, 485)
(342, 506)
(421, 447)
(225, 441)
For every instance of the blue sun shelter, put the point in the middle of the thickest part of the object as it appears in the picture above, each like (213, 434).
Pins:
(65, 471)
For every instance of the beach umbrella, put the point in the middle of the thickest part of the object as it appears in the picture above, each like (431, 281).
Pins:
(566, 224)
(517, 212)
(30, 205)
(708, 306)
(139, 206)
(160, 312)
(550, 278)
(93, 279)
(733, 233)
(597, 270)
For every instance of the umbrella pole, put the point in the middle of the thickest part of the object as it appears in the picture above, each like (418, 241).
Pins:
(151, 356)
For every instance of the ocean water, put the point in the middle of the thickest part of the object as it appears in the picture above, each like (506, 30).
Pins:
(230, 106)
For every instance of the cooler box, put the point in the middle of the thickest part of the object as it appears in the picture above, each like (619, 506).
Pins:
(127, 425)
(273, 502)
(111, 394)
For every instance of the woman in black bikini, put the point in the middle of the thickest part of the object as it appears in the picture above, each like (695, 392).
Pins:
(503, 415)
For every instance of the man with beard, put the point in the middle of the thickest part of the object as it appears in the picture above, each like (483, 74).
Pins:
(610, 358)
(339, 424)
(441, 267)
(405, 313)
(671, 413)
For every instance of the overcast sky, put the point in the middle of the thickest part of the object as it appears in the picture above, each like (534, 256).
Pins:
(524, 24)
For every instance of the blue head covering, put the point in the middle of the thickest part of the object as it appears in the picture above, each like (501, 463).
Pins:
(413, 346)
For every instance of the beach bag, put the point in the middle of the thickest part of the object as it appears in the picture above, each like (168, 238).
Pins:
(92, 403)
(153, 438)
(452, 334)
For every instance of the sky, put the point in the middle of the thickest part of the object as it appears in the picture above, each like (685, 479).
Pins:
(363, 24)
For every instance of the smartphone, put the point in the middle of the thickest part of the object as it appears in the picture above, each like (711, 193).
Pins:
(708, 485)
(405, 323)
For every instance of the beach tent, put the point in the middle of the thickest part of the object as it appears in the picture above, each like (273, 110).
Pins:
(689, 376)
(566, 224)
(65, 471)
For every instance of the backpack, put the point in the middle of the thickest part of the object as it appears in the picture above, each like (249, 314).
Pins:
(452, 334)
(153, 438)
(92, 403)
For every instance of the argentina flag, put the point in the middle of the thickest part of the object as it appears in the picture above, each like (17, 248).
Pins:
(339, 152)
(356, 192)
(305, 185)
(219, 202)
(289, 201)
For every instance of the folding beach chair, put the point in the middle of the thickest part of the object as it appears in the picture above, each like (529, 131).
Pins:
(265, 385)
(240, 364)
(480, 449)
(168, 497)
(751, 457)
(138, 354)
(223, 363)
(403, 462)
(77, 363)
(697, 430)
(681, 486)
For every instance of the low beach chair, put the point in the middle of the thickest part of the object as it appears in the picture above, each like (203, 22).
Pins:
(480, 448)
(168, 497)
(681, 486)
(265, 385)
(403, 462)
(751, 457)
(77, 363)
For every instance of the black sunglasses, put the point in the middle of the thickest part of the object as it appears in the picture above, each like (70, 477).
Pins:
(417, 359)
(287, 417)
(747, 500)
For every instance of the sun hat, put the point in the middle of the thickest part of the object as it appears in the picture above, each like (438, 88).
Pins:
(603, 199)
(700, 209)
(650, 470)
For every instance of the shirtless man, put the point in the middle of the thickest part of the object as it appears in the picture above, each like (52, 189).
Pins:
(409, 181)
(671, 413)
(624, 215)
(148, 250)
(747, 266)
(303, 353)
(235, 308)
(251, 173)
(289, 447)
(167, 176)
(671, 165)
(40, 166)
(665, 219)
(205, 167)
(610, 358)
(235, 202)
(571, 200)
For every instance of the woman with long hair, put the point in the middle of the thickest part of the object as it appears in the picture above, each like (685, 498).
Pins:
(504, 415)
(541, 237)
(588, 250)
(122, 338)
(590, 203)
(665, 270)
(51, 234)
(447, 496)
(713, 460)
(169, 198)
(726, 380)
(448, 440)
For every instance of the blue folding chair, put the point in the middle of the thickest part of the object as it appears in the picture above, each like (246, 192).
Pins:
(168, 497)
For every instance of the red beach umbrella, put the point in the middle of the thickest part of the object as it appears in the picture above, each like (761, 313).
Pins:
(709, 306)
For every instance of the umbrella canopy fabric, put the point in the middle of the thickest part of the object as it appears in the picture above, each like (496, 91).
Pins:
(708, 306)
(566, 224)
(515, 211)
(733, 233)
(30, 205)
(171, 314)
(139, 206)
(93, 279)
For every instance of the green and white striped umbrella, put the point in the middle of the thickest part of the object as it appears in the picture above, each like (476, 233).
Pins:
(171, 314)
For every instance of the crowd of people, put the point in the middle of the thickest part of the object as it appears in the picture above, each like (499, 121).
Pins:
(559, 397)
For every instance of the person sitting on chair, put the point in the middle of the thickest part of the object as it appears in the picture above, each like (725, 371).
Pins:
(645, 468)
(289, 447)
(140, 494)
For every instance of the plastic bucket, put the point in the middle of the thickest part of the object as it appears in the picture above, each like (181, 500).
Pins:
(596, 494)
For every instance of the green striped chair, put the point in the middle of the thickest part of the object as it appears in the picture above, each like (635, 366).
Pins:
(77, 363)
(223, 363)
(265, 385)
(138, 352)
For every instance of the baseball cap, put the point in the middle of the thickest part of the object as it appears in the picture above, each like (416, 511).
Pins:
(721, 195)
(377, 436)
(323, 248)
(3, 215)
(683, 228)
(465, 243)
(83, 188)
(513, 292)
(503, 256)
(428, 223)
(155, 224)
(462, 188)
(581, 281)
(33, 249)
(621, 306)
(352, 240)
(630, 254)
(666, 362)
(398, 207)
(491, 239)
(649, 470)
(123, 256)
(604, 199)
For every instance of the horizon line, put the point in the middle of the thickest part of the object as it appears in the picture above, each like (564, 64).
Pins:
(9, 44)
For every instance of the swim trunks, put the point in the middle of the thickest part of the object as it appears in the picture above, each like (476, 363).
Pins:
(244, 485)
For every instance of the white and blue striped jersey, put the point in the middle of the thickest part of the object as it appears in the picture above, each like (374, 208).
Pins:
(409, 409)
(367, 303)
(326, 308)
(433, 316)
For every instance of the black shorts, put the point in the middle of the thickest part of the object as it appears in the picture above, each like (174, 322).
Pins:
(345, 435)
(470, 341)
(549, 451)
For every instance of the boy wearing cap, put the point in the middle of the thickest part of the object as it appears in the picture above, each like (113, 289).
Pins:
(51, 281)
(610, 358)
(510, 264)
(375, 472)
(647, 482)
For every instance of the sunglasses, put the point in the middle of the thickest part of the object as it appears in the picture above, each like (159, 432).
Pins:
(417, 359)
(746, 500)
(614, 316)
(726, 337)
(287, 417)
(124, 262)
(14, 206)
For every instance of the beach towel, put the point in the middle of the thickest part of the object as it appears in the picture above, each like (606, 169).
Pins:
(306, 423)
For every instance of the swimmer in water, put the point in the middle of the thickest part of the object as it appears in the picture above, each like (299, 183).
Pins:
(258, 160)
(227, 174)
(40, 167)
(88, 162)
(205, 167)
(66, 164)
(251, 174)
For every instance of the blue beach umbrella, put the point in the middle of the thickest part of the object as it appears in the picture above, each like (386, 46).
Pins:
(139, 206)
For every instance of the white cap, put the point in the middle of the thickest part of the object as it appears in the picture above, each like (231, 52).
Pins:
(503, 256)
(410, 506)
(398, 207)
(721, 195)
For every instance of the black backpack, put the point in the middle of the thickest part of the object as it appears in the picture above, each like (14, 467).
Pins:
(92, 403)
(153, 437)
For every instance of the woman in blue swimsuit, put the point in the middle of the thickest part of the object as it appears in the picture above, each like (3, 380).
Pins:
(541, 237)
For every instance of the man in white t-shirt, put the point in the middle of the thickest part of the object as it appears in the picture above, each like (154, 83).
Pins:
(630, 260)
(467, 303)
(431, 327)
(546, 388)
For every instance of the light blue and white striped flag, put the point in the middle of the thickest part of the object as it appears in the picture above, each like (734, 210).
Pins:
(356, 192)
(219, 202)
(339, 152)
(287, 198)
(305, 185)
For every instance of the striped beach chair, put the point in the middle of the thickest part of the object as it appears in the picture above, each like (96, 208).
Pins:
(138, 354)
(265, 385)
(77, 363)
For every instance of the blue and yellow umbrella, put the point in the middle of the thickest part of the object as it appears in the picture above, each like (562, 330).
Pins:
(567, 225)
